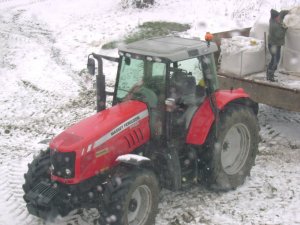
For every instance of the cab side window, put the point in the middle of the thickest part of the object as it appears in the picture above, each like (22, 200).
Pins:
(187, 89)
(192, 67)
(187, 81)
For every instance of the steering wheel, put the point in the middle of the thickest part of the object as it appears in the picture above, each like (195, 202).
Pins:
(142, 93)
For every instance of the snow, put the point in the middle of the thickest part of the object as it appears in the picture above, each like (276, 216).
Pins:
(132, 158)
(238, 44)
(44, 88)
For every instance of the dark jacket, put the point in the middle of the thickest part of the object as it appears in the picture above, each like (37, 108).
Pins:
(277, 30)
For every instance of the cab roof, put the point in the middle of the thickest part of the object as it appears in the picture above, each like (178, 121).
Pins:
(170, 47)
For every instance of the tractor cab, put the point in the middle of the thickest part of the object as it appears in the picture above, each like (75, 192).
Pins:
(172, 75)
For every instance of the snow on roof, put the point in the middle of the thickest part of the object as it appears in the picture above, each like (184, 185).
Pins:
(170, 47)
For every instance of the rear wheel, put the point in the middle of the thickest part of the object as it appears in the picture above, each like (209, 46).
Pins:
(134, 198)
(233, 151)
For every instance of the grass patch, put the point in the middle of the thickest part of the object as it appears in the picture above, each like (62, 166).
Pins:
(110, 45)
(154, 29)
(149, 30)
(166, 26)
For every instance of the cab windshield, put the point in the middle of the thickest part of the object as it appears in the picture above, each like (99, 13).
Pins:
(141, 79)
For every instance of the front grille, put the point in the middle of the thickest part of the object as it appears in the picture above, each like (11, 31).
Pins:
(134, 137)
(61, 162)
(40, 200)
(42, 194)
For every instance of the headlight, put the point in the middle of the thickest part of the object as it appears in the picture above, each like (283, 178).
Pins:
(68, 172)
(63, 164)
(51, 168)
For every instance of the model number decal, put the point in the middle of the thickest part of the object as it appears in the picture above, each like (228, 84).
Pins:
(118, 129)
(125, 125)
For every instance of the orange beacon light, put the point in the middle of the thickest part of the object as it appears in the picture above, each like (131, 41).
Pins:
(208, 37)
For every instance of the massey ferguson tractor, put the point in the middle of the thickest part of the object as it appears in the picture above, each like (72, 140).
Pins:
(169, 126)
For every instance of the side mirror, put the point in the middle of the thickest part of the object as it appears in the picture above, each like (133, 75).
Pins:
(127, 61)
(91, 66)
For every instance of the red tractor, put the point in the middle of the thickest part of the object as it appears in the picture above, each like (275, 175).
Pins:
(169, 127)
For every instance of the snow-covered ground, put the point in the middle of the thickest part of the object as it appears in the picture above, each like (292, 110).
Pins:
(43, 50)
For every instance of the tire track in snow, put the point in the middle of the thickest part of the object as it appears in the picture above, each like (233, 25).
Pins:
(273, 122)
(47, 115)
(27, 30)
(30, 131)
(51, 119)
(11, 180)
(53, 113)
(12, 4)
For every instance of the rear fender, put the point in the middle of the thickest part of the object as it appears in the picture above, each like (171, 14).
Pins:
(204, 116)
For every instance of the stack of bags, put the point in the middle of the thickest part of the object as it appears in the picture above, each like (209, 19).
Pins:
(291, 50)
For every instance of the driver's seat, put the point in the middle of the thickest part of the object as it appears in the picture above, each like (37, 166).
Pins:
(186, 90)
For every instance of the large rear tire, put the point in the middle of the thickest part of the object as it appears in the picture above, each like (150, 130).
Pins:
(134, 198)
(232, 152)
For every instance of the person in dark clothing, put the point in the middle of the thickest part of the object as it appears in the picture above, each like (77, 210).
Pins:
(275, 40)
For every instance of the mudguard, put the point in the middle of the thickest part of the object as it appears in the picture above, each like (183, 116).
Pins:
(204, 116)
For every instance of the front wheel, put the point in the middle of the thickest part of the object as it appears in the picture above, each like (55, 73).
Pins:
(233, 151)
(38, 170)
(134, 198)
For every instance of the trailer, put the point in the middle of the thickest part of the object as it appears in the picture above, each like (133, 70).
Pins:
(284, 94)
(270, 93)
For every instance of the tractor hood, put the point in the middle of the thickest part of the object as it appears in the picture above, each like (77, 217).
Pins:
(101, 127)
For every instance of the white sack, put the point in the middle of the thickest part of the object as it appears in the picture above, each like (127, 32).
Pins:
(291, 60)
(260, 27)
(292, 20)
(240, 58)
(291, 50)
(292, 39)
